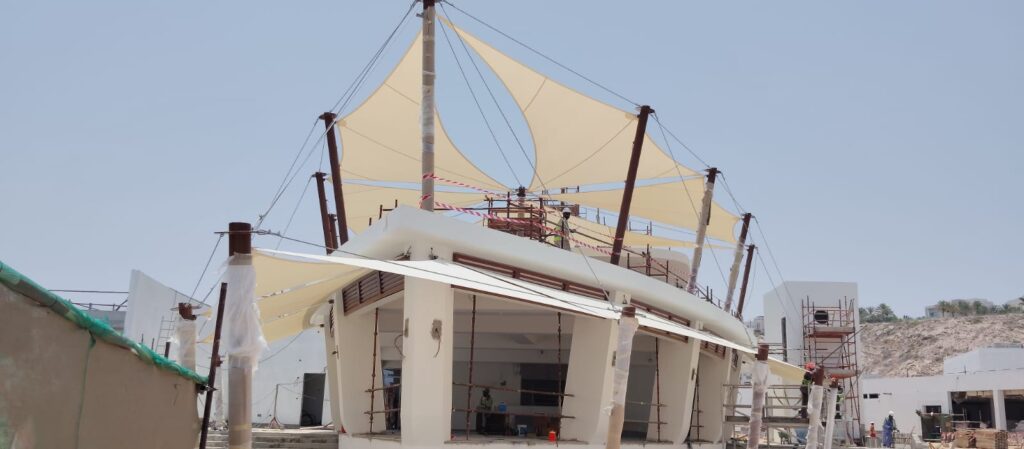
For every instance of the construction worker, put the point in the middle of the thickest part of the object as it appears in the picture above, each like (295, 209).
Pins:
(839, 399)
(483, 411)
(562, 240)
(805, 387)
(872, 436)
(889, 430)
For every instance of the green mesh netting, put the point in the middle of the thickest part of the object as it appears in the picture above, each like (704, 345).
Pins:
(99, 329)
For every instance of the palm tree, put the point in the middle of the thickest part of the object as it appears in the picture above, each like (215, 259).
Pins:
(963, 308)
(979, 307)
(945, 307)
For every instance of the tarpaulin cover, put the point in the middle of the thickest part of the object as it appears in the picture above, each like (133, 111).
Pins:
(99, 329)
(242, 333)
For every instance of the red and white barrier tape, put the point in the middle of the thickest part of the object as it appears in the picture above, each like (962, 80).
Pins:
(462, 184)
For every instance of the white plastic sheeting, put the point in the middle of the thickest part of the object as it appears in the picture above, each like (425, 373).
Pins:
(242, 333)
(657, 323)
(814, 416)
(186, 339)
(830, 418)
(789, 373)
(620, 380)
(760, 389)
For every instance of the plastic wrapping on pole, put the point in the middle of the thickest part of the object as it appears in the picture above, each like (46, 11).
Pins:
(186, 336)
(760, 388)
(243, 343)
(623, 351)
(702, 229)
(814, 416)
(830, 418)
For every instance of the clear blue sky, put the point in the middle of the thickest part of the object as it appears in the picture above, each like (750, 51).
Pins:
(879, 142)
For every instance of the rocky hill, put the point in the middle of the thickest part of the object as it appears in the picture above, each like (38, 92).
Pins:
(917, 347)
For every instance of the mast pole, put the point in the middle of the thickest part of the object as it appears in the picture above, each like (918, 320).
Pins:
(325, 219)
(737, 258)
(427, 107)
(702, 228)
(743, 289)
(339, 198)
(627, 192)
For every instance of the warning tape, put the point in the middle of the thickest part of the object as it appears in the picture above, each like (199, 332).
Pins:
(462, 184)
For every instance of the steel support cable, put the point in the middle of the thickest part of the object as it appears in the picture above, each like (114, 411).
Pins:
(508, 124)
(479, 108)
(537, 52)
(343, 101)
(689, 198)
(771, 255)
(296, 209)
(287, 174)
(205, 268)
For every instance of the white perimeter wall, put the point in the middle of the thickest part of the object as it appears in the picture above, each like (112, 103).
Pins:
(904, 395)
(284, 362)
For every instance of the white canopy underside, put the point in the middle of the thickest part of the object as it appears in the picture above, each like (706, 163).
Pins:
(313, 278)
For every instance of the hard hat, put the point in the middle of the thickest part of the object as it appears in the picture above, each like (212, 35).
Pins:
(810, 365)
(565, 210)
(891, 413)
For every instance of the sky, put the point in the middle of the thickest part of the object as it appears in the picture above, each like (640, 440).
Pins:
(877, 142)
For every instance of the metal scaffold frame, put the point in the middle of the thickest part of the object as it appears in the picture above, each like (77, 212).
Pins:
(829, 341)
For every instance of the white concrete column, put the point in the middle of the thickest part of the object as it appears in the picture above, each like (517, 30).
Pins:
(589, 379)
(999, 409)
(427, 366)
(677, 362)
(353, 366)
(331, 356)
(713, 372)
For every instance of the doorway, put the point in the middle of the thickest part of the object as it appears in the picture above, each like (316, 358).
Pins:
(312, 400)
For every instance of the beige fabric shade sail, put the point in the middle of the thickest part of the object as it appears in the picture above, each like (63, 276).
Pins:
(363, 202)
(381, 138)
(578, 140)
(666, 203)
(601, 235)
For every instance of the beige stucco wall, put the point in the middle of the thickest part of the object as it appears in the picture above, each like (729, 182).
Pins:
(60, 389)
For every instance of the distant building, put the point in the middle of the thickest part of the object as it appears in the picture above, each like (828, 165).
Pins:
(756, 325)
(934, 311)
(1016, 303)
(984, 385)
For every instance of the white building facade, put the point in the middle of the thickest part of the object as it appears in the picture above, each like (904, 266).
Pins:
(984, 386)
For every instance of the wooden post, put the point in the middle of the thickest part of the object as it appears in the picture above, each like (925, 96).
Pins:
(627, 191)
(702, 228)
(427, 108)
(325, 219)
(214, 363)
(737, 258)
(746, 278)
(339, 197)
(331, 220)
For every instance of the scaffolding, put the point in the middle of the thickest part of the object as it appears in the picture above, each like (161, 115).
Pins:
(829, 341)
